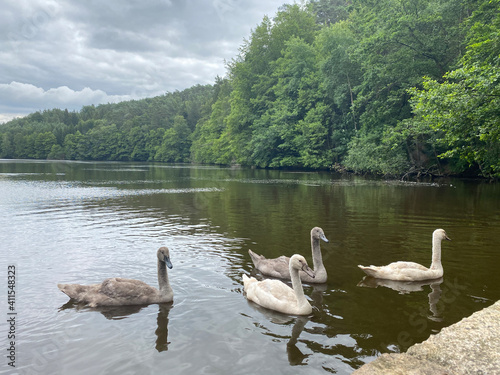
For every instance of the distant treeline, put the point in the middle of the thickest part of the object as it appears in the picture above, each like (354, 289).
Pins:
(389, 87)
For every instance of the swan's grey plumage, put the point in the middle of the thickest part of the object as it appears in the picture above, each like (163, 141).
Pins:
(410, 271)
(278, 267)
(117, 291)
(276, 295)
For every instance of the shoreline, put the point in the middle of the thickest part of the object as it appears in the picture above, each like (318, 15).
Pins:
(340, 171)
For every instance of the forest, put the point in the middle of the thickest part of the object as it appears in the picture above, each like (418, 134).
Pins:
(387, 87)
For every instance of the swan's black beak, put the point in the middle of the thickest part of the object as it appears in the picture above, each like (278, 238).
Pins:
(168, 262)
(447, 238)
(324, 238)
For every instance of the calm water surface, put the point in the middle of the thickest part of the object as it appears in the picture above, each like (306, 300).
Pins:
(76, 222)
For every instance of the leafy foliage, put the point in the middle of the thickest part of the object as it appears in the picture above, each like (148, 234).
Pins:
(145, 130)
(465, 108)
(388, 87)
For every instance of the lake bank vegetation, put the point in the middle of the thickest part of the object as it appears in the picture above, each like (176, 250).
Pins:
(390, 87)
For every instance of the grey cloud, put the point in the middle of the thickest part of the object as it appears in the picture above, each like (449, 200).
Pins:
(57, 53)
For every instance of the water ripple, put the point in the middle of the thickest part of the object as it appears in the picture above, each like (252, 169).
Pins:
(108, 224)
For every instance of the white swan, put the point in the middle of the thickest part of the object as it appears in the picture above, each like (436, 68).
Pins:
(410, 271)
(276, 295)
(117, 291)
(278, 267)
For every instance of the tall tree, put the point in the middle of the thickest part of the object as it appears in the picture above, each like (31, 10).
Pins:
(465, 108)
(252, 75)
(400, 42)
(176, 142)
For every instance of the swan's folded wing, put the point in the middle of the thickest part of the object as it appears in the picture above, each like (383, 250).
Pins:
(274, 293)
(406, 265)
(278, 267)
(78, 292)
(117, 287)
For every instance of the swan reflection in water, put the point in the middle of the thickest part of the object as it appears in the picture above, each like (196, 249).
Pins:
(122, 312)
(405, 287)
(295, 356)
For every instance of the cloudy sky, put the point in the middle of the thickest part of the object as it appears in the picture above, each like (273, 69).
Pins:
(67, 54)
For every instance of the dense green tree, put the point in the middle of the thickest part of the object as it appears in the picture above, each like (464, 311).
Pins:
(123, 131)
(279, 135)
(103, 141)
(330, 11)
(253, 80)
(23, 145)
(176, 144)
(43, 144)
(87, 112)
(340, 75)
(153, 142)
(7, 147)
(325, 84)
(136, 139)
(76, 147)
(465, 108)
(399, 43)
(56, 153)
(210, 143)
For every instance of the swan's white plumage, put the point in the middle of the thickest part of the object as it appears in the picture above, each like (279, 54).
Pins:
(410, 271)
(117, 291)
(276, 295)
(278, 267)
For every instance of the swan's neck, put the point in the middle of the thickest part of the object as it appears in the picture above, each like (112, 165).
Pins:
(316, 254)
(436, 254)
(297, 286)
(163, 282)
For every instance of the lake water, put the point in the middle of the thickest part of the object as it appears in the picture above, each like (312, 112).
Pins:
(78, 222)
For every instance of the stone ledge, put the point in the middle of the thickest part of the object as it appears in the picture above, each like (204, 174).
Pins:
(471, 346)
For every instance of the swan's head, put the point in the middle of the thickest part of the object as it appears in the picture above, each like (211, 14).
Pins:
(318, 233)
(440, 234)
(299, 262)
(164, 256)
